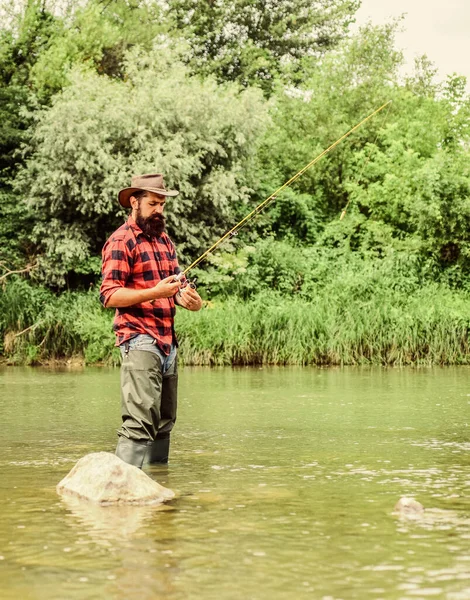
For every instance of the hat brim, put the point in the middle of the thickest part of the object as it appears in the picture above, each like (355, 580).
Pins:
(125, 194)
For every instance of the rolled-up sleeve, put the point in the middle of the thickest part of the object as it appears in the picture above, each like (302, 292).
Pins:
(116, 268)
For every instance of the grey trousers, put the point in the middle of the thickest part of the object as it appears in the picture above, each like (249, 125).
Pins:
(149, 382)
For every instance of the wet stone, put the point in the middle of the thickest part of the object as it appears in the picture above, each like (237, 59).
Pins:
(103, 478)
(409, 507)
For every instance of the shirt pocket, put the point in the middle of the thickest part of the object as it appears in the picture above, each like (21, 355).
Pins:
(166, 268)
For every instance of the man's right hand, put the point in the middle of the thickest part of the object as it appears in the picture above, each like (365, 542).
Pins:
(124, 297)
(166, 288)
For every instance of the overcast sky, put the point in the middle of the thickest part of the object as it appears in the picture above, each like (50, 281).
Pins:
(438, 28)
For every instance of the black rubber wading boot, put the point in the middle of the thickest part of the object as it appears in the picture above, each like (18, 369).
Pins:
(131, 452)
(158, 451)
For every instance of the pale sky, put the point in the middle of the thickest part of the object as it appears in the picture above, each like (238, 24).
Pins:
(438, 28)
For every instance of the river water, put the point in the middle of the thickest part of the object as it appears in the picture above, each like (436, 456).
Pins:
(286, 480)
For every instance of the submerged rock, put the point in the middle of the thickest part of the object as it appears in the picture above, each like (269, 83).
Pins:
(409, 507)
(105, 479)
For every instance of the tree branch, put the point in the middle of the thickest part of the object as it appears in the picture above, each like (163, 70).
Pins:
(9, 272)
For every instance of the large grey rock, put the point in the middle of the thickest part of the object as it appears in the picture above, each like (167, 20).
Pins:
(409, 507)
(105, 479)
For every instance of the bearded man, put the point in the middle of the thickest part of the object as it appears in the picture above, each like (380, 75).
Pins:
(139, 279)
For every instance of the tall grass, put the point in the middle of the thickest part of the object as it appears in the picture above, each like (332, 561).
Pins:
(430, 326)
(37, 326)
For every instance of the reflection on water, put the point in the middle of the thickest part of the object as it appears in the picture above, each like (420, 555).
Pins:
(286, 481)
(109, 524)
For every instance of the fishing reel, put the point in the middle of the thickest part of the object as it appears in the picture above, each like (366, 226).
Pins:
(191, 283)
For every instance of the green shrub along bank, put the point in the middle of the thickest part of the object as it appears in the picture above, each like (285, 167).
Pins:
(388, 327)
(430, 327)
(37, 325)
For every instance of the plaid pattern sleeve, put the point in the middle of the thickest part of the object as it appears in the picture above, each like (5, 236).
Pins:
(116, 266)
(132, 260)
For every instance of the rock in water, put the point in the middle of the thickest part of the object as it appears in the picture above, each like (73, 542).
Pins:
(409, 507)
(105, 479)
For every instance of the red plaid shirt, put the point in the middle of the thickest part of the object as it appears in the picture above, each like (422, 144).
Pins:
(132, 260)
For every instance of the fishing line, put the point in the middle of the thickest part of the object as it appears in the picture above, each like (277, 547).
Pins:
(274, 195)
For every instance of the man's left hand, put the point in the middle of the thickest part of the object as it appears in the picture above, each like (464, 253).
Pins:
(188, 298)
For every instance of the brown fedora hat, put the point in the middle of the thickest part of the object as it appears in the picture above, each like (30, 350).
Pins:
(152, 182)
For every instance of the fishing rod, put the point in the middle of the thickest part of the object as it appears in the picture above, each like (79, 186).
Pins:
(232, 232)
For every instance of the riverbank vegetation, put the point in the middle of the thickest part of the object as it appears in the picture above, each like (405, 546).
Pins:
(342, 324)
(229, 104)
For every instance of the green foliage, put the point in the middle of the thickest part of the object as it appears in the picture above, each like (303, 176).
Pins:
(20, 47)
(254, 42)
(15, 228)
(97, 35)
(306, 272)
(406, 183)
(346, 86)
(20, 305)
(95, 93)
(13, 124)
(349, 321)
(38, 50)
(200, 135)
(92, 326)
(429, 327)
(36, 325)
(24, 41)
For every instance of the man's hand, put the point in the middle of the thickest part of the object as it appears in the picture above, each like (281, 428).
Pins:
(123, 297)
(189, 298)
(166, 288)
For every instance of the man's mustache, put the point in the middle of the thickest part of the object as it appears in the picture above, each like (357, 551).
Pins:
(157, 218)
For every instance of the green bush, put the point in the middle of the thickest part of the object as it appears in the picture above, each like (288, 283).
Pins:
(385, 328)
(37, 325)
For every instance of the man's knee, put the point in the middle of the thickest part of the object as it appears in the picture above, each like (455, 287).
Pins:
(141, 390)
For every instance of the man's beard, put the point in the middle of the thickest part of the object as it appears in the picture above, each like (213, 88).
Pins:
(151, 226)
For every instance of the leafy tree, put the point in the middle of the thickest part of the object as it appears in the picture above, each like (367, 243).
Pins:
(200, 135)
(20, 46)
(97, 34)
(404, 175)
(39, 45)
(349, 83)
(19, 50)
(254, 41)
